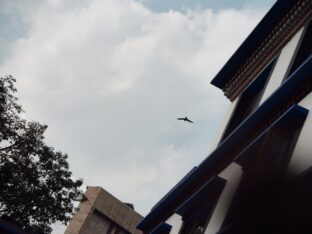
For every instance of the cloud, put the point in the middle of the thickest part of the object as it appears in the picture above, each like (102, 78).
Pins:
(111, 77)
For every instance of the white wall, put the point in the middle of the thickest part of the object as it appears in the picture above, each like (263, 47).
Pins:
(232, 174)
(176, 222)
(226, 119)
(302, 156)
(281, 66)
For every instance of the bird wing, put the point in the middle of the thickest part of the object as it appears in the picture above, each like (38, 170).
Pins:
(180, 118)
(189, 120)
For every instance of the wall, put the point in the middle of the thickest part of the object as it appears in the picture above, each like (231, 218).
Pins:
(282, 65)
(232, 174)
(302, 156)
(99, 209)
(176, 222)
(226, 120)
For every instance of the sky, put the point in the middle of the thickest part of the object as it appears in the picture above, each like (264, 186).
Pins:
(110, 77)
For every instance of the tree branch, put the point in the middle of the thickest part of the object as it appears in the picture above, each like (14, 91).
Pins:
(8, 147)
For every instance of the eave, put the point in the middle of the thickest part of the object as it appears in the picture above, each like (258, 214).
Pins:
(277, 27)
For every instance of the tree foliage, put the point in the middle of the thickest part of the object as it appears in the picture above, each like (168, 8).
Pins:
(36, 187)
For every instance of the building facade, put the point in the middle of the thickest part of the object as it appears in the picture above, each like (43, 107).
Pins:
(100, 212)
(258, 178)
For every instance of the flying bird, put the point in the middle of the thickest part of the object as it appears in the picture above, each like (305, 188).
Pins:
(185, 119)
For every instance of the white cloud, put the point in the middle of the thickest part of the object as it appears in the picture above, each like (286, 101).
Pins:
(110, 77)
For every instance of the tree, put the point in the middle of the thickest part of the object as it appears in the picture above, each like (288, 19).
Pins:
(36, 186)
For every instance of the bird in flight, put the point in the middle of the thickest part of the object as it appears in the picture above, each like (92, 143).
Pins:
(185, 119)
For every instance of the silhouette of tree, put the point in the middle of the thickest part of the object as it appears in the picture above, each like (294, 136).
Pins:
(36, 186)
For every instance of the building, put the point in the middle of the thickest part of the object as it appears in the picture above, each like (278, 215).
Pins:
(100, 212)
(258, 177)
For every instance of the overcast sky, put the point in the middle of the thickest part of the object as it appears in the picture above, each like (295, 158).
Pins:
(110, 77)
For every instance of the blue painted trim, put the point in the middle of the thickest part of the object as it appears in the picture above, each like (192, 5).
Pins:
(221, 154)
(206, 194)
(162, 228)
(252, 42)
(294, 113)
(174, 188)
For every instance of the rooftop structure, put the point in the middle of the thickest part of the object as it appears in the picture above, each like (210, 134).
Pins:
(100, 212)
